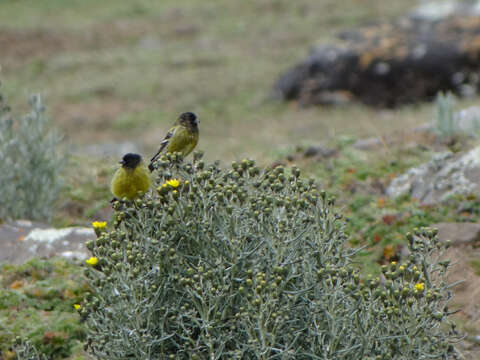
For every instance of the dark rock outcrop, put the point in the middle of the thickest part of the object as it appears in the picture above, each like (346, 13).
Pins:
(389, 64)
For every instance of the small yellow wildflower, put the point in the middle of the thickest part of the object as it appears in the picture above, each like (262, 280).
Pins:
(393, 263)
(173, 183)
(77, 306)
(99, 224)
(420, 286)
(92, 261)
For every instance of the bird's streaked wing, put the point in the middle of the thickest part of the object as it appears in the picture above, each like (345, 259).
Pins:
(163, 144)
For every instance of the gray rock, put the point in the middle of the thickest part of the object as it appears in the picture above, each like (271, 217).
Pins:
(468, 120)
(149, 42)
(368, 143)
(458, 233)
(443, 176)
(22, 240)
(423, 128)
(440, 10)
(319, 151)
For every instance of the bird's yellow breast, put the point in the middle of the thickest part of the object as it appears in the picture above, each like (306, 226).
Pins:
(129, 183)
(183, 141)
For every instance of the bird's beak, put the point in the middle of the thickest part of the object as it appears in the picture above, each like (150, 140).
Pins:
(121, 162)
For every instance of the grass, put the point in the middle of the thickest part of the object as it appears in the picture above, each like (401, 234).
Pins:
(374, 221)
(127, 71)
(476, 266)
(36, 302)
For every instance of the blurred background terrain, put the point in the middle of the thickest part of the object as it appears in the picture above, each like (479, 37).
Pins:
(115, 75)
(122, 71)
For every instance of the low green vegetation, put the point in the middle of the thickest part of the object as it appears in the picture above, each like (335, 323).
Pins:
(476, 266)
(358, 180)
(36, 303)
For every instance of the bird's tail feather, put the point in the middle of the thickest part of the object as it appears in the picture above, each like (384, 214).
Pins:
(154, 158)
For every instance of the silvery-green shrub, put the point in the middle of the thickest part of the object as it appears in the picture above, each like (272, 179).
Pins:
(30, 163)
(244, 263)
(446, 126)
(24, 350)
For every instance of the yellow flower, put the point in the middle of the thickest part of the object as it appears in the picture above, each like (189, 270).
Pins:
(92, 261)
(77, 306)
(419, 286)
(99, 224)
(173, 183)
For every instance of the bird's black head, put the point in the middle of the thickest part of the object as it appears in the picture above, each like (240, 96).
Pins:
(189, 119)
(131, 160)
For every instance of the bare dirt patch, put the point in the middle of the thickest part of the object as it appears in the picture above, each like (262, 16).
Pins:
(92, 121)
(466, 297)
(20, 46)
(17, 46)
(30, 42)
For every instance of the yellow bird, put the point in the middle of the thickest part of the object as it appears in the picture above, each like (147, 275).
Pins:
(132, 179)
(182, 137)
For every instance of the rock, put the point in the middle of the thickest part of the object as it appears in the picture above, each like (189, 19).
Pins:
(278, 163)
(468, 120)
(22, 240)
(319, 151)
(440, 10)
(368, 143)
(388, 65)
(458, 233)
(423, 128)
(149, 42)
(443, 176)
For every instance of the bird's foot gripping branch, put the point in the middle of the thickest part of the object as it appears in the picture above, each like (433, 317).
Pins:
(250, 263)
